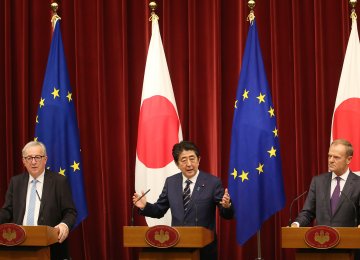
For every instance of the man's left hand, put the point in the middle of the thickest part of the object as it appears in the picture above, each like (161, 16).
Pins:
(63, 232)
(225, 202)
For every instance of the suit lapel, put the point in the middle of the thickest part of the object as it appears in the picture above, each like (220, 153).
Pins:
(198, 188)
(47, 187)
(23, 191)
(346, 191)
(327, 193)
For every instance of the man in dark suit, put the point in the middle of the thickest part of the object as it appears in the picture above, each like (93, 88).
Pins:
(192, 204)
(50, 205)
(334, 197)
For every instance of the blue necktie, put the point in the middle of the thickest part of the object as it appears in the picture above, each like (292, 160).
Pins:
(335, 196)
(31, 206)
(186, 194)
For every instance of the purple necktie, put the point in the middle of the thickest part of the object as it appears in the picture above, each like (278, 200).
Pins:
(335, 196)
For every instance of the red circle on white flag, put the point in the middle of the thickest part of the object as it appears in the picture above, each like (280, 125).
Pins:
(158, 132)
(346, 125)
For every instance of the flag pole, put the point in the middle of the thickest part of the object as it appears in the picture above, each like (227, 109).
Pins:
(251, 18)
(153, 7)
(55, 17)
(353, 5)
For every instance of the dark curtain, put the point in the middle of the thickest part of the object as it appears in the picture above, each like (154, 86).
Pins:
(303, 44)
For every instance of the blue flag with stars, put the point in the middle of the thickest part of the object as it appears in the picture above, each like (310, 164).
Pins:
(255, 179)
(56, 123)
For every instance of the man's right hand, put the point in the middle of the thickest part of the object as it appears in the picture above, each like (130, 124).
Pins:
(142, 202)
(295, 224)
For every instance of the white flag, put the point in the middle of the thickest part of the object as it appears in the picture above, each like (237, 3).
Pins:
(159, 126)
(346, 117)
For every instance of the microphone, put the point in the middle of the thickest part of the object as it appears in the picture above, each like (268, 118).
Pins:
(132, 210)
(38, 195)
(196, 215)
(353, 204)
(298, 197)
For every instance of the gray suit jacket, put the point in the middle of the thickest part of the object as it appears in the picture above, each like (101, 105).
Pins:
(56, 203)
(317, 204)
(205, 197)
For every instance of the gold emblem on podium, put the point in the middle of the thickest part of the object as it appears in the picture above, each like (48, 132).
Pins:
(161, 236)
(322, 237)
(9, 234)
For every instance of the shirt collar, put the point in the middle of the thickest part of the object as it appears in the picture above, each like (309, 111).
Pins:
(343, 176)
(39, 179)
(192, 179)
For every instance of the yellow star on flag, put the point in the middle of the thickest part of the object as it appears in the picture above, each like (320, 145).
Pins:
(37, 119)
(271, 112)
(260, 168)
(244, 176)
(75, 166)
(42, 102)
(234, 173)
(261, 98)
(35, 139)
(62, 171)
(272, 152)
(245, 94)
(235, 105)
(275, 132)
(55, 93)
(69, 96)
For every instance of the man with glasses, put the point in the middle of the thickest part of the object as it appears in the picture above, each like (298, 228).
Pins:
(192, 195)
(40, 197)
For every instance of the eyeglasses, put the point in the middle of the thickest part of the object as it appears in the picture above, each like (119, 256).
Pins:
(37, 158)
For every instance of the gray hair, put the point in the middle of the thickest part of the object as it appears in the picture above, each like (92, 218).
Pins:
(32, 144)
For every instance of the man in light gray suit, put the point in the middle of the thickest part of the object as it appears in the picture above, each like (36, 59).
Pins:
(334, 197)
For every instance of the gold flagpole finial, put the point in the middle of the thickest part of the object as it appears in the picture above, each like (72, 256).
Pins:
(353, 5)
(153, 7)
(55, 17)
(251, 16)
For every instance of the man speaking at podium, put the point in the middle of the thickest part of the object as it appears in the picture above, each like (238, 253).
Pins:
(334, 197)
(192, 196)
(40, 197)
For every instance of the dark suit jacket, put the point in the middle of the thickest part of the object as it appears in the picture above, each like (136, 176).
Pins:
(56, 203)
(317, 204)
(205, 197)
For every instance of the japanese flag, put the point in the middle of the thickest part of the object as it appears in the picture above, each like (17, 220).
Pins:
(159, 126)
(346, 117)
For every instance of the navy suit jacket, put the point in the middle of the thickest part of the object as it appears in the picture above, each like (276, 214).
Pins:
(317, 204)
(206, 195)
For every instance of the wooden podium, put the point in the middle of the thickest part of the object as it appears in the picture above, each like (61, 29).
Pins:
(191, 240)
(295, 238)
(35, 246)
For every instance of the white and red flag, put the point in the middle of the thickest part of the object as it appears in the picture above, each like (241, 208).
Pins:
(159, 126)
(346, 117)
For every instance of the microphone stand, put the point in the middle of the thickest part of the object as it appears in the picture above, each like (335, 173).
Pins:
(298, 197)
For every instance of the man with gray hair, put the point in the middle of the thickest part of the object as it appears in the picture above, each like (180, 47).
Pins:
(40, 197)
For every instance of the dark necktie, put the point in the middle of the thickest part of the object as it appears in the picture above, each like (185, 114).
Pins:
(186, 194)
(335, 196)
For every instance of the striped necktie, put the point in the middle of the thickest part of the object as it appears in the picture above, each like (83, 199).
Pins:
(31, 207)
(186, 194)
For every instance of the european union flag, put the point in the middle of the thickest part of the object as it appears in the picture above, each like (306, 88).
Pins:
(56, 123)
(255, 178)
